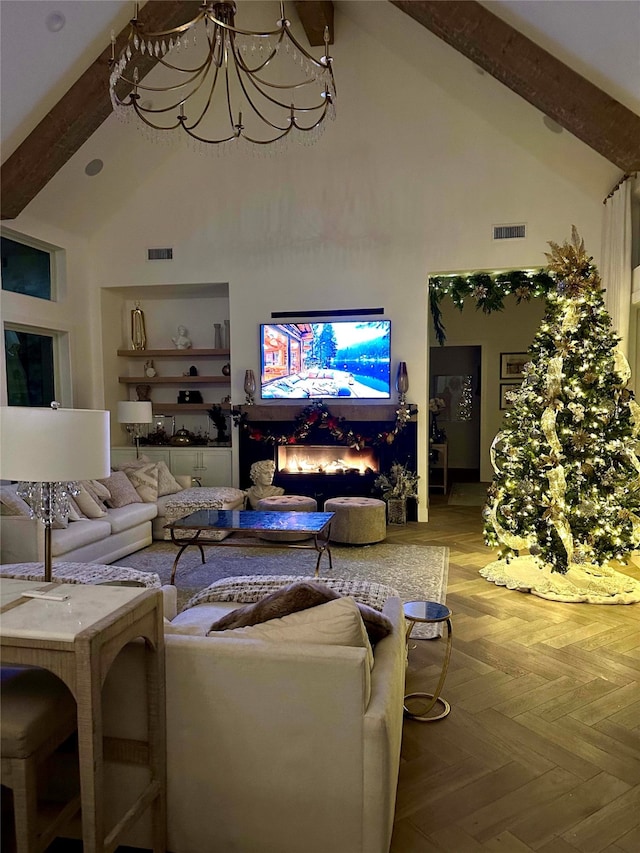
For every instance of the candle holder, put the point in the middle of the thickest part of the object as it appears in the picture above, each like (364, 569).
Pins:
(402, 382)
(249, 386)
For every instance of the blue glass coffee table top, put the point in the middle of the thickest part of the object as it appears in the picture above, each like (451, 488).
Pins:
(254, 520)
(426, 611)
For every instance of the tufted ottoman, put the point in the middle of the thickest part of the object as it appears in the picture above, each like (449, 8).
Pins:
(286, 503)
(357, 521)
(207, 497)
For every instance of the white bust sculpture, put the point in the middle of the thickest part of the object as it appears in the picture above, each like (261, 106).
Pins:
(182, 339)
(261, 474)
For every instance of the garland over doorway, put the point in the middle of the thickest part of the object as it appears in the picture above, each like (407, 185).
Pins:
(487, 289)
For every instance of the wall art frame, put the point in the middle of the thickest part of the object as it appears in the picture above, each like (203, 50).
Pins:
(504, 389)
(512, 364)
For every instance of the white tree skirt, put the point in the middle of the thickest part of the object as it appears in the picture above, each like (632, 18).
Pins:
(581, 584)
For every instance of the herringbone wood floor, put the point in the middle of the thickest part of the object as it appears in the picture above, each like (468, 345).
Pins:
(541, 750)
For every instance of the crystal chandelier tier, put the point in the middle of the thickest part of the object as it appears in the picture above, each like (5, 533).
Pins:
(216, 83)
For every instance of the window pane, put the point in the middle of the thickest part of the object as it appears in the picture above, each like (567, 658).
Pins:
(30, 378)
(25, 269)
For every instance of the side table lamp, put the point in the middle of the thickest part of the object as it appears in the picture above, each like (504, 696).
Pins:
(47, 451)
(134, 413)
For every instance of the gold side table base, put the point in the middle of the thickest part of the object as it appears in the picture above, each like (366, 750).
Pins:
(425, 716)
(429, 612)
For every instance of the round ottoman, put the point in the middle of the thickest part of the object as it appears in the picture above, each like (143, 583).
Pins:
(357, 521)
(286, 503)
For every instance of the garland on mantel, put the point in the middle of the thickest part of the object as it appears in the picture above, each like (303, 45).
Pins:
(489, 291)
(318, 416)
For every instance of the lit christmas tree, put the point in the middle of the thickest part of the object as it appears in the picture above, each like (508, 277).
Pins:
(567, 483)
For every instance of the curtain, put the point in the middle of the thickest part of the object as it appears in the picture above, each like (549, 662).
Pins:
(616, 259)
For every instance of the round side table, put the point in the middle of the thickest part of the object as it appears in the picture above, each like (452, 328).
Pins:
(429, 611)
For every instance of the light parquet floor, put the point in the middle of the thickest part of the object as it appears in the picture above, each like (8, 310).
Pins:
(541, 750)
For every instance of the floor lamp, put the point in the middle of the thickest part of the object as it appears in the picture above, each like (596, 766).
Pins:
(134, 413)
(47, 451)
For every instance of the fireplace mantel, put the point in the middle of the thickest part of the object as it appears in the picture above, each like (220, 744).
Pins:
(351, 412)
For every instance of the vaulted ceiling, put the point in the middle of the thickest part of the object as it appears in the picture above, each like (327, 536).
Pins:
(493, 44)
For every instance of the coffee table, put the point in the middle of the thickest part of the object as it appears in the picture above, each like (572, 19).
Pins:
(245, 527)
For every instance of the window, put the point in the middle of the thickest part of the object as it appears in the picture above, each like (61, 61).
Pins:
(30, 368)
(25, 269)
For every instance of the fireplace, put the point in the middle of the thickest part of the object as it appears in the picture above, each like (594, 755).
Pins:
(319, 465)
(300, 459)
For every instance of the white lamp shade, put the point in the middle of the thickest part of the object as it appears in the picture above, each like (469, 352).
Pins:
(135, 412)
(53, 445)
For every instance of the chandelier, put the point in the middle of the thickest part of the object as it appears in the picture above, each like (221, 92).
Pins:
(216, 83)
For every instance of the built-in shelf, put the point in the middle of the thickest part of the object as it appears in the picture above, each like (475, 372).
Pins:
(174, 408)
(174, 380)
(173, 353)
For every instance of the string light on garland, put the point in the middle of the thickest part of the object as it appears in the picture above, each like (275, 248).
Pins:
(318, 416)
(487, 290)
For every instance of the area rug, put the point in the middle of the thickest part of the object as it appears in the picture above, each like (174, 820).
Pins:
(417, 571)
(468, 494)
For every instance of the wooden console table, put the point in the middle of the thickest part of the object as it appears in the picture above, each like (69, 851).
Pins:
(443, 450)
(76, 634)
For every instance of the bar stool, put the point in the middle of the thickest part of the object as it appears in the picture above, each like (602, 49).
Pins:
(38, 713)
(430, 612)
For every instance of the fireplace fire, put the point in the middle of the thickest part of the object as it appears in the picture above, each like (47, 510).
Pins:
(324, 459)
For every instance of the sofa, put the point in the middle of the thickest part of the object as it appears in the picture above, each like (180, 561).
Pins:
(273, 745)
(109, 518)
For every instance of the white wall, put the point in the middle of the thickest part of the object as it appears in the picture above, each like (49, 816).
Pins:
(407, 182)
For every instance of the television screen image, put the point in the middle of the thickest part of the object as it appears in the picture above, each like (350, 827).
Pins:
(310, 360)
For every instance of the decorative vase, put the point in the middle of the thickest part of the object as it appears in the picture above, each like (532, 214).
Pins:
(217, 336)
(226, 336)
(138, 329)
(397, 510)
(249, 386)
(226, 369)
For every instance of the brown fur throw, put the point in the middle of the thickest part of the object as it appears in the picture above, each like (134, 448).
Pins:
(293, 598)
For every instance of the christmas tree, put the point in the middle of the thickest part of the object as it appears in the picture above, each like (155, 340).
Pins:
(567, 483)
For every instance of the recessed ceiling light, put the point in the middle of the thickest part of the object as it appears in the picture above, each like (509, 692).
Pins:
(55, 22)
(94, 167)
(552, 125)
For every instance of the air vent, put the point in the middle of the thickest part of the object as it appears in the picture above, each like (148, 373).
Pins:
(509, 232)
(160, 254)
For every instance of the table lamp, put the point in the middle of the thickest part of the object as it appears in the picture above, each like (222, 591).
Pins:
(134, 413)
(47, 451)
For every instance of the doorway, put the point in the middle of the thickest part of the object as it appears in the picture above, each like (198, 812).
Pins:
(454, 378)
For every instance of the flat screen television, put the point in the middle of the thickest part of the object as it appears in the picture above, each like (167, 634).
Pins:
(348, 358)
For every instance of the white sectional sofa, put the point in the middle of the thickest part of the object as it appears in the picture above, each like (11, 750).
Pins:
(272, 746)
(117, 532)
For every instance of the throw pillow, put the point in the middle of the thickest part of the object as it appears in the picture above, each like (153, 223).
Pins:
(88, 486)
(282, 602)
(100, 489)
(299, 596)
(145, 481)
(121, 490)
(335, 623)
(12, 504)
(74, 511)
(87, 505)
(167, 484)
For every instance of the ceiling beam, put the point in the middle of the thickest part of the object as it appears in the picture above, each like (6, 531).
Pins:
(536, 75)
(314, 16)
(77, 115)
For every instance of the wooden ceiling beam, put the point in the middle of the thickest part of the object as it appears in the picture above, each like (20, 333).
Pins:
(314, 16)
(77, 115)
(536, 75)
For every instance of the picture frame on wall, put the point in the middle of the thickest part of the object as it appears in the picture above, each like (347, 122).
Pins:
(512, 364)
(504, 390)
